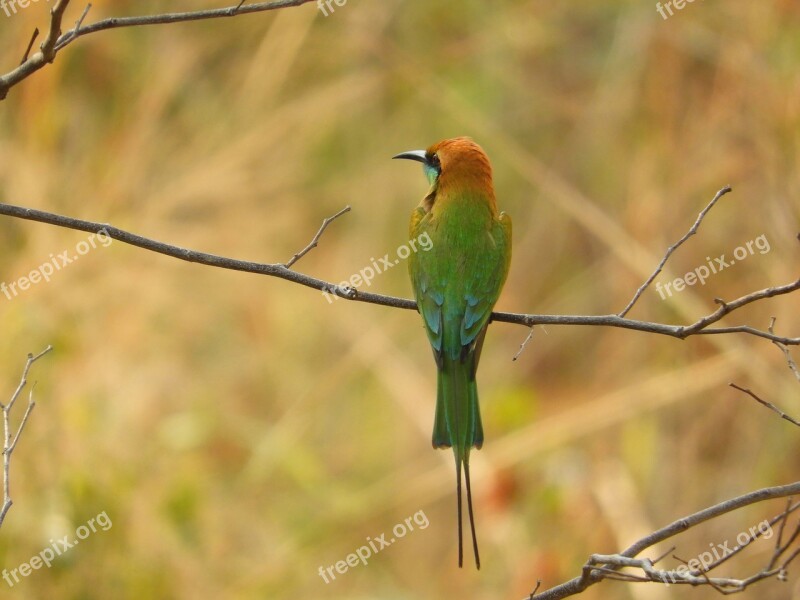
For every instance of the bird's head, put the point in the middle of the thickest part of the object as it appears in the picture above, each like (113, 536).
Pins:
(455, 165)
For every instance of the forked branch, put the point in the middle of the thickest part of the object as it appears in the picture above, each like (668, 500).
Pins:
(56, 41)
(11, 436)
(603, 566)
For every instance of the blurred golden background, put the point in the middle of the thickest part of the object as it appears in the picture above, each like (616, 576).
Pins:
(241, 432)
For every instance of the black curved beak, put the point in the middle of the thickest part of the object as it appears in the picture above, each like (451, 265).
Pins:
(418, 155)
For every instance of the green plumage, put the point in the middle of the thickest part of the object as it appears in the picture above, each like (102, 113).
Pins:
(456, 283)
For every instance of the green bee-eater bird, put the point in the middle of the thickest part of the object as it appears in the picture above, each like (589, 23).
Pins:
(456, 284)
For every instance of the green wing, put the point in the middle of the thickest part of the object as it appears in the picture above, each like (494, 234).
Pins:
(483, 289)
(457, 282)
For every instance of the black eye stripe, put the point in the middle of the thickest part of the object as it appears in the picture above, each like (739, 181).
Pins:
(433, 159)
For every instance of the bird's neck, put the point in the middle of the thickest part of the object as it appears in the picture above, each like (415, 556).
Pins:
(464, 197)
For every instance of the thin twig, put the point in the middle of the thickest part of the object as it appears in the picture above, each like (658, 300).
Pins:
(9, 443)
(30, 45)
(785, 515)
(22, 423)
(700, 327)
(664, 555)
(786, 354)
(790, 508)
(536, 589)
(672, 249)
(769, 405)
(795, 553)
(48, 47)
(315, 240)
(56, 41)
(63, 41)
(523, 344)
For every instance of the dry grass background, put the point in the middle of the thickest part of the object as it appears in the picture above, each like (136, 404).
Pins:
(241, 431)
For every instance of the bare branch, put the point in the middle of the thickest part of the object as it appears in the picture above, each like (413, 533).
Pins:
(783, 522)
(599, 566)
(31, 359)
(48, 47)
(39, 59)
(315, 240)
(672, 249)
(728, 307)
(781, 518)
(786, 354)
(273, 270)
(9, 443)
(769, 405)
(56, 41)
(22, 423)
(700, 327)
(64, 40)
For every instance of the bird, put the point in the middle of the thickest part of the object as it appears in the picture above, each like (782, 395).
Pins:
(456, 285)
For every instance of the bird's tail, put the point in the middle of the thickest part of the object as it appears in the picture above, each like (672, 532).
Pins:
(458, 425)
